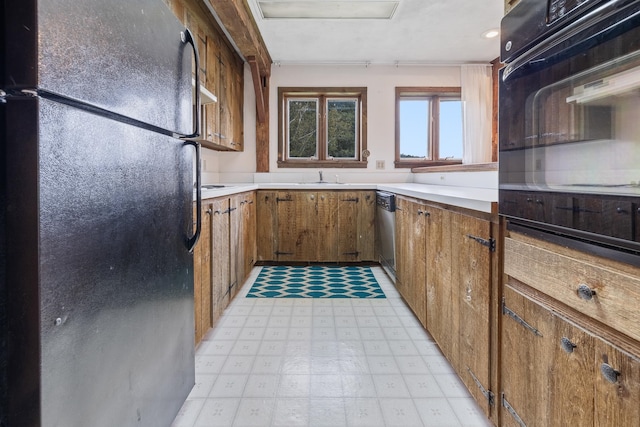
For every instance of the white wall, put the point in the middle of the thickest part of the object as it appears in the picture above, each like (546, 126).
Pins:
(380, 81)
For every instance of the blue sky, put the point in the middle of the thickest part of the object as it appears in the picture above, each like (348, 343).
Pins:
(413, 128)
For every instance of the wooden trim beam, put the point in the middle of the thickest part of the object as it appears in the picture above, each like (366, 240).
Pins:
(237, 19)
(257, 87)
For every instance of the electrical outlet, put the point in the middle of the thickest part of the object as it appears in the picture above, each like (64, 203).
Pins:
(379, 164)
(203, 165)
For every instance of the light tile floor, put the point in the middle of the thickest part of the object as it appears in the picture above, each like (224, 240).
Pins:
(324, 362)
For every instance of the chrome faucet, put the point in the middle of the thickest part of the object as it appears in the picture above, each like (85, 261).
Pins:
(321, 179)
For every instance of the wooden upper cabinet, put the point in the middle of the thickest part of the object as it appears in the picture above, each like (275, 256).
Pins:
(221, 73)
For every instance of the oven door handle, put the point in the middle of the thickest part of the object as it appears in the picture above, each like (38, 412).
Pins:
(539, 52)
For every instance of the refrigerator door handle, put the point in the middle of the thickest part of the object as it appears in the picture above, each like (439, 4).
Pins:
(191, 241)
(187, 37)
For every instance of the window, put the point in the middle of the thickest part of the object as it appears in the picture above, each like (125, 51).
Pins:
(428, 127)
(322, 127)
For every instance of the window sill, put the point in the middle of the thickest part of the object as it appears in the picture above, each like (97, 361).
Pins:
(322, 164)
(418, 164)
(474, 167)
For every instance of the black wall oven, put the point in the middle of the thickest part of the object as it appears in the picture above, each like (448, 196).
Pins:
(570, 123)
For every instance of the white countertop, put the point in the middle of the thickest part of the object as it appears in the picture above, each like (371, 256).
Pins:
(479, 199)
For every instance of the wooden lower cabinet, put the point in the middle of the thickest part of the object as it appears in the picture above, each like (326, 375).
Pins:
(445, 261)
(202, 275)
(220, 255)
(471, 240)
(315, 226)
(223, 257)
(556, 373)
(440, 293)
(411, 257)
(570, 353)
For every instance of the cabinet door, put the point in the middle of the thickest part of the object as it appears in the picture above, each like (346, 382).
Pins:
(571, 376)
(267, 225)
(438, 278)
(547, 366)
(248, 237)
(327, 227)
(366, 225)
(236, 103)
(617, 387)
(403, 254)
(418, 247)
(220, 255)
(526, 365)
(235, 243)
(347, 241)
(297, 224)
(211, 112)
(202, 276)
(471, 287)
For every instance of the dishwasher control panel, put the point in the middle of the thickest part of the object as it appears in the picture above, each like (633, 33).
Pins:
(386, 201)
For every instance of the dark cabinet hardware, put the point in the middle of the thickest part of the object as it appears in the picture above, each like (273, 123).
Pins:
(351, 253)
(512, 411)
(506, 310)
(278, 253)
(585, 292)
(490, 243)
(488, 394)
(278, 200)
(609, 373)
(355, 200)
(567, 345)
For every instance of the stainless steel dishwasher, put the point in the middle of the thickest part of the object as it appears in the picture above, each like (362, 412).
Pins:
(386, 231)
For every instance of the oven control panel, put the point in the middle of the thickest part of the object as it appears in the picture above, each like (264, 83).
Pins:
(558, 9)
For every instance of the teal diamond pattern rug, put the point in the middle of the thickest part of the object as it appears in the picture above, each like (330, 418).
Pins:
(315, 282)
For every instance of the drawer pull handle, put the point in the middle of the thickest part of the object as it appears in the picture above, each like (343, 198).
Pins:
(609, 373)
(567, 345)
(585, 292)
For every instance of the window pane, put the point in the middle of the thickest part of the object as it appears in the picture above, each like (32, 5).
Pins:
(341, 128)
(303, 128)
(450, 129)
(414, 128)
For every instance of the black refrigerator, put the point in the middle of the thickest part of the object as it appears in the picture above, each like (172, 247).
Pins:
(96, 281)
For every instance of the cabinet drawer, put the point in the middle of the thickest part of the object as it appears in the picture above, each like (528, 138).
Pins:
(603, 293)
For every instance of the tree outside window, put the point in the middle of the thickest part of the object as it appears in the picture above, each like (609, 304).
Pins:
(322, 127)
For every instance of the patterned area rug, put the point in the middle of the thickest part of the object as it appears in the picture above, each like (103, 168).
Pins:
(315, 282)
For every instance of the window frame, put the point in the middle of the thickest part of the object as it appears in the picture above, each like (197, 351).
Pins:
(323, 95)
(435, 93)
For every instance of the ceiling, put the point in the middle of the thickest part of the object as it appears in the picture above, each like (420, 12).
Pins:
(419, 31)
